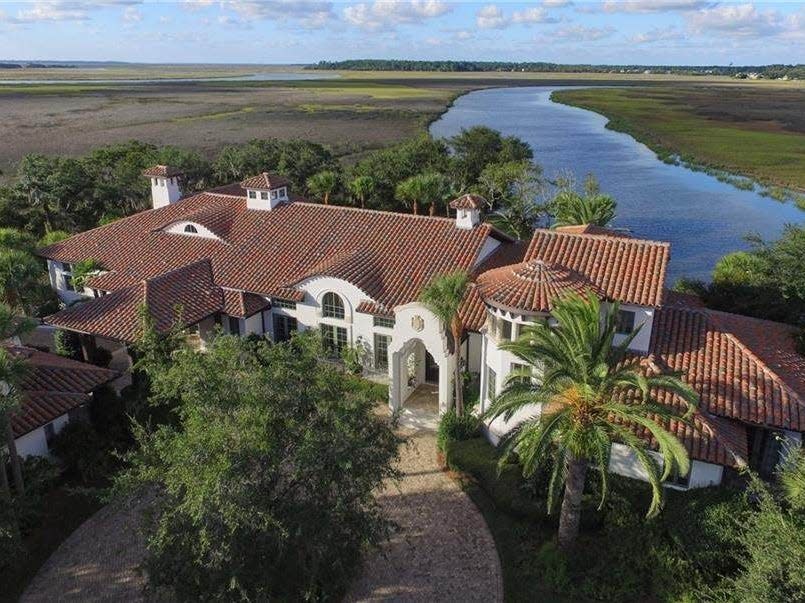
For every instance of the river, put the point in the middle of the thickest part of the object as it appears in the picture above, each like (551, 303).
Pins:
(701, 217)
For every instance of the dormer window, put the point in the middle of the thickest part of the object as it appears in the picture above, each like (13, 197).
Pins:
(624, 324)
(191, 229)
(265, 191)
(264, 195)
(252, 194)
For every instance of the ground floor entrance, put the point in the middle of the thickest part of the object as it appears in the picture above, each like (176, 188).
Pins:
(420, 380)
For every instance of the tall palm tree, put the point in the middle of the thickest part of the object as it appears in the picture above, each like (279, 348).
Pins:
(571, 208)
(591, 393)
(11, 371)
(323, 185)
(362, 187)
(443, 296)
(20, 273)
(429, 187)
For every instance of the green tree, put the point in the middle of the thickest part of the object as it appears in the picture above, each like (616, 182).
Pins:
(53, 237)
(429, 187)
(512, 188)
(265, 490)
(444, 296)
(740, 268)
(11, 238)
(83, 271)
(573, 209)
(323, 184)
(362, 187)
(20, 278)
(591, 393)
(477, 147)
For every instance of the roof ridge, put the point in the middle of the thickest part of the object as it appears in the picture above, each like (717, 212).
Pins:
(622, 239)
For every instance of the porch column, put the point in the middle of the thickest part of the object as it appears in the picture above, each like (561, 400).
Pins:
(395, 376)
(446, 386)
(88, 347)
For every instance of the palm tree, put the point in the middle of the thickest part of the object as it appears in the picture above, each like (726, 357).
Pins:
(429, 187)
(443, 296)
(591, 393)
(573, 209)
(362, 187)
(19, 275)
(323, 184)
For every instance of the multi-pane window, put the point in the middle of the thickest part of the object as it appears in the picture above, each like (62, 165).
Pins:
(383, 321)
(332, 306)
(264, 195)
(283, 303)
(382, 351)
(284, 326)
(625, 322)
(252, 194)
(520, 373)
(333, 339)
(191, 229)
(505, 330)
(493, 325)
(234, 325)
(491, 384)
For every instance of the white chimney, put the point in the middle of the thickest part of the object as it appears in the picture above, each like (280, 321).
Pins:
(468, 210)
(265, 191)
(165, 185)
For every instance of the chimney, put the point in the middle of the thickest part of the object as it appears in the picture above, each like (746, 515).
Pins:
(468, 210)
(165, 185)
(265, 191)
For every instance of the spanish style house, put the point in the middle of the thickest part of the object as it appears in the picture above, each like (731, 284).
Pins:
(253, 258)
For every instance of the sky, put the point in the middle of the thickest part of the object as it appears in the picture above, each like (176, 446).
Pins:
(669, 32)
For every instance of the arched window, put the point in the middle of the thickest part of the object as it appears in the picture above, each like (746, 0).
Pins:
(332, 306)
(191, 229)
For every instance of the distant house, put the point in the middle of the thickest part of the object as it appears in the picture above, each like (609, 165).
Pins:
(55, 390)
(253, 258)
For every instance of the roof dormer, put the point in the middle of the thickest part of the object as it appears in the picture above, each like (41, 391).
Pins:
(265, 191)
(165, 184)
(468, 210)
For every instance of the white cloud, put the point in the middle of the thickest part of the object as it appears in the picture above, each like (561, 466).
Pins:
(463, 35)
(308, 13)
(556, 3)
(745, 21)
(537, 14)
(658, 34)
(583, 34)
(62, 10)
(491, 17)
(386, 14)
(132, 15)
(654, 6)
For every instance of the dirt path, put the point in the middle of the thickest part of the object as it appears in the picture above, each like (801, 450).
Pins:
(443, 550)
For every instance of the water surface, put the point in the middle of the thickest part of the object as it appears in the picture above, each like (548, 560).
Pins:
(701, 217)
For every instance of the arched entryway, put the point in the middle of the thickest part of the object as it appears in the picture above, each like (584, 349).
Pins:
(420, 379)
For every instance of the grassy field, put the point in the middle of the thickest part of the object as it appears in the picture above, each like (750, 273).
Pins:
(752, 131)
(353, 113)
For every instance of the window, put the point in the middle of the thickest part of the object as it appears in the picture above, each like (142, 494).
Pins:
(68, 282)
(252, 194)
(383, 321)
(334, 340)
(284, 303)
(50, 433)
(332, 306)
(284, 327)
(234, 325)
(624, 323)
(520, 368)
(491, 384)
(493, 325)
(382, 351)
(191, 229)
(505, 330)
(264, 195)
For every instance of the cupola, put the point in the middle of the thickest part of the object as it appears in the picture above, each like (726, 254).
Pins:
(165, 185)
(468, 210)
(265, 191)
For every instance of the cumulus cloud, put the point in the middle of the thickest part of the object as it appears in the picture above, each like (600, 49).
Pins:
(491, 17)
(583, 34)
(132, 15)
(308, 13)
(745, 21)
(386, 14)
(658, 34)
(62, 10)
(654, 6)
(556, 3)
(537, 14)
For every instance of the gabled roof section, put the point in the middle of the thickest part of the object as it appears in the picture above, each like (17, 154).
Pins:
(243, 304)
(468, 201)
(162, 171)
(624, 269)
(52, 386)
(531, 287)
(116, 315)
(265, 181)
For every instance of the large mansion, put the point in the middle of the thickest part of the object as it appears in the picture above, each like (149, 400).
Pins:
(253, 258)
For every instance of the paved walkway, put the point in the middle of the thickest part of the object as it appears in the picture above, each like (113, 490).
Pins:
(443, 550)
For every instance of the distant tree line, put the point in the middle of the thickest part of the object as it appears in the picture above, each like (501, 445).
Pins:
(769, 71)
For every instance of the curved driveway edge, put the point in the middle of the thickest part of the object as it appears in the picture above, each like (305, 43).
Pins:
(443, 550)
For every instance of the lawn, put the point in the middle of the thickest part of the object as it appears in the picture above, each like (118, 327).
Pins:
(750, 131)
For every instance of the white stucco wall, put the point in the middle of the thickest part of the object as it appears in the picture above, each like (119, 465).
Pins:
(165, 191)
(643, 316)
(34, 443)
(59, 284)
(624, 462)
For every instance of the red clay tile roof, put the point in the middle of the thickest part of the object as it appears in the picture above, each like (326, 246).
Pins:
(624, 269)
(116, 315)
(390, 256)
(468, 201)
(592, 229)
(531, 287)
(473, 310)
(369, 307)
(243, 305)
(743, 368)
(52, 386)
(265, 181)
(162, 171)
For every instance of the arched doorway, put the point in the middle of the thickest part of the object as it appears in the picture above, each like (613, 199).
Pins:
(420, 379)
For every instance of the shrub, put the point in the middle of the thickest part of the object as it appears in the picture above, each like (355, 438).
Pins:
(83, 451)
(67, 344)
(554, 567)
(455, 428)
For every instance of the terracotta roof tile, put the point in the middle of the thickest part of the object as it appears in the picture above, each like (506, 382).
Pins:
(624, 269)
(265, 181)
(52, 386)
(468, 201)
(592, 229)
(242, 304)
(162, 171)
